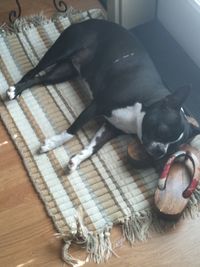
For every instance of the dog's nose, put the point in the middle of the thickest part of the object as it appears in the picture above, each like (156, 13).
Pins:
(156, 150)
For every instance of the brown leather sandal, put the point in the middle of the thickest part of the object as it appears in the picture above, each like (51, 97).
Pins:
(177, 182)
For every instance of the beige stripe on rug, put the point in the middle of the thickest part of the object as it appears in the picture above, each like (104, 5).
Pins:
(106, 190)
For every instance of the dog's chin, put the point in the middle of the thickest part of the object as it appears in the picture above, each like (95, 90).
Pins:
(156, 155)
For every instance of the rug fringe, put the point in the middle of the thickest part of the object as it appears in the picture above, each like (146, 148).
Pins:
(27, 22)
(69, 259)
(24, 23)
(97, 244)
(137, 226)
(196, 195)
(193, 207)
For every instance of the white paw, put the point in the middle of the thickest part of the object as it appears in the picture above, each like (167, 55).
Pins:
(73, 164)
(55, 141)
(11, 92)
(49, 144)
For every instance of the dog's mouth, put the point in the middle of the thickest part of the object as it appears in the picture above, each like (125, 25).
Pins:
(156, 155)
(157, 150)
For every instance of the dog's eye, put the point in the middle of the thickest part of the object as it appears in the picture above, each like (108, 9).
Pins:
(164, 134)
(163, 131)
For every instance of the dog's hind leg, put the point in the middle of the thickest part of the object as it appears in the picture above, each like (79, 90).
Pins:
(61, 72)
(55, 141)
(25, 82)
(103, 135)
(70, 41)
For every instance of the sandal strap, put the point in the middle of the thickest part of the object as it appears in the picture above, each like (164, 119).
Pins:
(164, 175)
(195, 177)
(196, 173)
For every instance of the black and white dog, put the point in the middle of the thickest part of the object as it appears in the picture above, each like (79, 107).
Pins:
(127, 90)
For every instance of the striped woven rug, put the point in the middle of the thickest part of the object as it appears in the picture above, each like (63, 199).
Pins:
(105, 190)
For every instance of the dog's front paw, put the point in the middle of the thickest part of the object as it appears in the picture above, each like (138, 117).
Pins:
(73, 164)
(48, 145)
(55, 141)
(11, 92)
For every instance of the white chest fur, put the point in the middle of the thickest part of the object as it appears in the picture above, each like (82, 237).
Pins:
(128, 119)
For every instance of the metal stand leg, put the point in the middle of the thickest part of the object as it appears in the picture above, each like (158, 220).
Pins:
(60, 5)
(13, 15)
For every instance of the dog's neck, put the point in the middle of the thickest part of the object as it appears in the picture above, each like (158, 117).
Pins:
(128, 119)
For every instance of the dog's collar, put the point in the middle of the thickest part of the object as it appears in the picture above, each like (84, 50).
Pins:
(123, 57)
(178, 139)
(183, 112)
(182, 134)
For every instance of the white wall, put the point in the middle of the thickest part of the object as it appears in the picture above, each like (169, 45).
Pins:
(131, 13)
(182, 19)
(113, 10)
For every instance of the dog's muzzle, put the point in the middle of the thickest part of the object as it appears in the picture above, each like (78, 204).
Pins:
(158, 150)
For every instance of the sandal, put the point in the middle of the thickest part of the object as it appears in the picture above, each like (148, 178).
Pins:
(138, 156)
(177, 182)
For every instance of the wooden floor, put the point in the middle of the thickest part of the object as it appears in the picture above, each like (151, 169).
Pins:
(27, 234)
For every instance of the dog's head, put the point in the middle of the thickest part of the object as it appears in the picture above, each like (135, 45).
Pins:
(165, 126)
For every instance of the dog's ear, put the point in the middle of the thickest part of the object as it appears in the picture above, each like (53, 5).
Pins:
(177, 98)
